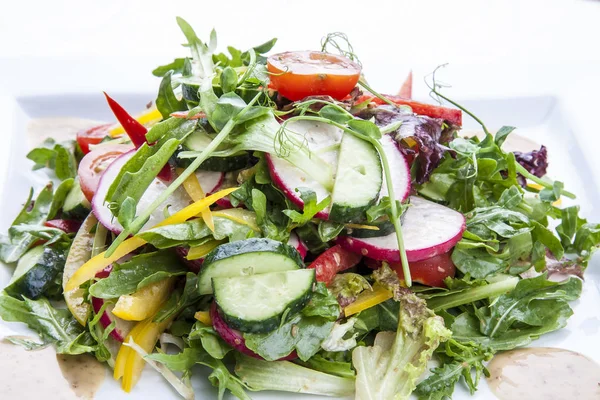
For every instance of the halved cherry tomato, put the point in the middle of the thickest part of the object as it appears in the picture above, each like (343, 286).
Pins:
(452, 115)
(92, 136)
(429, 272)
(94, 163)
(66, 225)
(298, 74)
(333, 260)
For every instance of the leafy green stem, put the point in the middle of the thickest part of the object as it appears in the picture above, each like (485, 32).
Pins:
(381, 97)
(528, 175)
(139, 221)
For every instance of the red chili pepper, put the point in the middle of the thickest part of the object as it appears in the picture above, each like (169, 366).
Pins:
(451, 115)
(66, 225)
(135, 130)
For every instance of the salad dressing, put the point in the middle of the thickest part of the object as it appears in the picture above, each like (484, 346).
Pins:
(37, 374)
(544, 373)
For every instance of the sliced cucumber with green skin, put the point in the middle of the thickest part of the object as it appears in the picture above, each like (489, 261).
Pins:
(358, 180)
(257, 303)
(76, 205)
(36, 272)
(247, 257)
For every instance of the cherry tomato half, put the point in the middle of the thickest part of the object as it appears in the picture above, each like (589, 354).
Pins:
(429, 272)
(298, 74)
(94, 163)
(92, 136)
(333, 260)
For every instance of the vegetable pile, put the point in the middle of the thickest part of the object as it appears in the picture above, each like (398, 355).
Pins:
(278, 221)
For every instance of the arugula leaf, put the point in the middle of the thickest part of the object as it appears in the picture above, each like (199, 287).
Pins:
(13, 246)
(176, 66)
(210, 340)
(141, 270)
(57, 157)
(59, 197)
(220, 377)
(180, 299)
(166, 101)
(240, 59)
(195, 231)
(310, 208)
(331, 366)
(55, 326)
(300, 333)
(322, 304)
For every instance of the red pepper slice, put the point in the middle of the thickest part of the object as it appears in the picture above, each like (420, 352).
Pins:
(136, 132)
(452, 115)
(66, 225)
(335, 259)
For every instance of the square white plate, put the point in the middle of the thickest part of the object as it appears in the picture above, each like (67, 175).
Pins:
(541, 117)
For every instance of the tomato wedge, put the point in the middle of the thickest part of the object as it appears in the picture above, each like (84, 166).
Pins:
(66, 225)
(429, 272)
(92, 136)
(452, 115)
(94, 163)
(335, 259)
(298, 74)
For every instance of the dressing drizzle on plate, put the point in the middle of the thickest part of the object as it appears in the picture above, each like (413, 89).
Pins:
(544, 373)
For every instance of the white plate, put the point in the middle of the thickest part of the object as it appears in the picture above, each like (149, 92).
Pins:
(554, 120)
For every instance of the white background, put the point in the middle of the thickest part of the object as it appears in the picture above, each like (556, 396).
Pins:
(64, 46)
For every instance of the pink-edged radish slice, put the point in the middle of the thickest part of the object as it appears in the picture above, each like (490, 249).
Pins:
(298, 244)
(399, 169)
(122, 327)
(429, 229)
(234, 338)
(177, 201)
(323, 140)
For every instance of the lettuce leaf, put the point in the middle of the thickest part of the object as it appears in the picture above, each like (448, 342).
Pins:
(390, 368)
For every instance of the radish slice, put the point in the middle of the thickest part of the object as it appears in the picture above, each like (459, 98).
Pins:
(235, 338)
(399, 169)
(298, 244)
(323, 140)
(122, 327)
(193, 265)
(429, 229)
(177, 201)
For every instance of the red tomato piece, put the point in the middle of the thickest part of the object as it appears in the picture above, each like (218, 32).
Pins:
(429, 272)
(298, 74)
(333, 260)
(452, 115)
(66, 225)
(92, 136)
(94, 163)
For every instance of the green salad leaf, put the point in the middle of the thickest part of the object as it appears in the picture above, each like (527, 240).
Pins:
(136, 273)
(55, 326)
(55, 156)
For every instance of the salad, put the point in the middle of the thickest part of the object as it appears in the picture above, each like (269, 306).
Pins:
(277, 220)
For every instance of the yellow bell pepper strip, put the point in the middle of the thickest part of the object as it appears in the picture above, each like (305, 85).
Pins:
(99, 262)
(148, 117)
(359, 226)
(204, 317)
(239, 215)
(368, 299)
(129, 364)
(145, 302)
(201, 251)
(194, 190)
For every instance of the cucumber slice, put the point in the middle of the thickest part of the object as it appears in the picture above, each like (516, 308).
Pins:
(76, 205)
(358, 180)
(257, 303)
(247, 257)
(36, 272)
